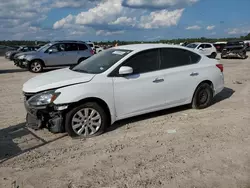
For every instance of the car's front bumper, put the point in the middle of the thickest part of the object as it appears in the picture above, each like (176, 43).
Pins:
(23, 63)
(45, 117)
(7, 56)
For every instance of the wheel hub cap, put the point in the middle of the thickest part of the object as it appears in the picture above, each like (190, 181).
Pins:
(35, 67)
(203, 97)
(86, 121)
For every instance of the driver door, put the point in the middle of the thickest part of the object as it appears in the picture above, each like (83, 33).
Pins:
(143, 90)
(201, 48)
(55, 55)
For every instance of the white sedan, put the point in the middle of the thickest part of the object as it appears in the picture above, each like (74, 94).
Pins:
(118, 83)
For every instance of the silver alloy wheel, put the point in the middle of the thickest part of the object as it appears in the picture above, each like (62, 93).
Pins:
(86, 121)
(35, 66)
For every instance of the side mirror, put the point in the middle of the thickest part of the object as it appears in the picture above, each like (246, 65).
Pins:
(200, 48)
(50, 51)
(125, 70)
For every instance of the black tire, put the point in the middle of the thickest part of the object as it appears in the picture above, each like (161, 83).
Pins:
(213, 55)
(81, 59)
(36, 63)
(73, 112)
(203, 96)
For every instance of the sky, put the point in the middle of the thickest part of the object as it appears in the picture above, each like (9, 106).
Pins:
(141, 20)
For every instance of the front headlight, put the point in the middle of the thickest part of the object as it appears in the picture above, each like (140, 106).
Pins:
(21, 57)
(44, 98)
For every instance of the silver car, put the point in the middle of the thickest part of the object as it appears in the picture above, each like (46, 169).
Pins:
(54, 54)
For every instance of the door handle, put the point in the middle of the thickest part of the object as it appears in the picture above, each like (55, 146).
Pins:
(194, 74)
(157, 80)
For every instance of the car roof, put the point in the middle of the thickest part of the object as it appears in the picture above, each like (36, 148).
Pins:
(67, 41)
(141, 47)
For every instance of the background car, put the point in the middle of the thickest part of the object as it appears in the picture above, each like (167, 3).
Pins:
(206, 49)
(219, 46)
(235, 49)
(119, 83)
(98, 49)
(4, 49)
(55, 54)
(10, 54)
(91, 44)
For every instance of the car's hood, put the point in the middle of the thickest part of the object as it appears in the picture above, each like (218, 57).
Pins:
(27, 53)
(55, 79)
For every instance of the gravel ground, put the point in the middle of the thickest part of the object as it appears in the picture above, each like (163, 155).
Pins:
(179, 147)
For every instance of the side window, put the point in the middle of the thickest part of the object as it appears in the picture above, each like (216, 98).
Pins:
(143, 62)
(208, 46)
(195, 58)
(58, 47)
(202, 46)
(174, 57)
(82, 47)
(71, 47)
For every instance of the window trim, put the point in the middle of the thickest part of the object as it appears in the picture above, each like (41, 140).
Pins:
(179, 65)
(115, 72)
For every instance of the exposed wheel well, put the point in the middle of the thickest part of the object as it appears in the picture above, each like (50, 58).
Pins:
(99, 101)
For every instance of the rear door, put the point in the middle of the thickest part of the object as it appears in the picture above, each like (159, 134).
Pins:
(181, 74)
(71, 53)
(83, 51)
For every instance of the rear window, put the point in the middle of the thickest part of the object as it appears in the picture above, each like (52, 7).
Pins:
(82, 47)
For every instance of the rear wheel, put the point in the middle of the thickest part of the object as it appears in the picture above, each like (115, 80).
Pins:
(202, 97)
(36, 66)
(86, 120)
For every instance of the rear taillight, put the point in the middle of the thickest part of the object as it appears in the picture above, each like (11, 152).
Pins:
(220, 66)
(92, 52)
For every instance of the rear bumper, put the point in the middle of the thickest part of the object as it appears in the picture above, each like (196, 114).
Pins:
(220, 85)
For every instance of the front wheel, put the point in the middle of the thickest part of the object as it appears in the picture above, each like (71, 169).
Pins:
(86, 120)
(203, 96)
(36, 66)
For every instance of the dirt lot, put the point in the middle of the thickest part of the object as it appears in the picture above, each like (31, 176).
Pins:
(210, 148)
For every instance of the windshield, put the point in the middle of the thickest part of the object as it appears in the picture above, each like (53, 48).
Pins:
(101, 62)
(192, 45)
(44, 48)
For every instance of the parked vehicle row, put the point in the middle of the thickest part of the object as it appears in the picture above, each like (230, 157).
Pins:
(4, 49)
(10, 54)
(118, 83)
